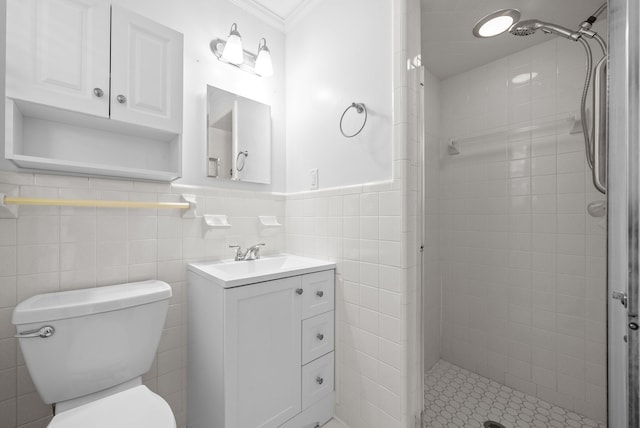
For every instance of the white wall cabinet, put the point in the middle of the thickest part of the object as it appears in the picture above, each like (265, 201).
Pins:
(92, 88)
(58, 52)
(146, 72)
(254, 360)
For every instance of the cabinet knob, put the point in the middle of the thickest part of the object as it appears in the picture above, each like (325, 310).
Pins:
(319, 380)
(121, 99)
(299, 290)
(98, 92)
(319, 293)
(320, 336)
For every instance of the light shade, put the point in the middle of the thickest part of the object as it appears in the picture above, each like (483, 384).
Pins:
(496, 23)
(233, 51)
(264, 66)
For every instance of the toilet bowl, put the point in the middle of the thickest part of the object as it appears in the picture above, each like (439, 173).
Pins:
(133, 408)
(86, 351)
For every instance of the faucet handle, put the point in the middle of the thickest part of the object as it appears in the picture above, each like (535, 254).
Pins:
(238, 251)
(253, 252)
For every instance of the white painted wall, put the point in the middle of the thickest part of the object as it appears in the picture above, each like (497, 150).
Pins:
(338, 53)
(200, 22)
(369, 230)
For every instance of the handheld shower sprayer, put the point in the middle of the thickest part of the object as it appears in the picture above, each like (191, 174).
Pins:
(493, 24)
(530, 26)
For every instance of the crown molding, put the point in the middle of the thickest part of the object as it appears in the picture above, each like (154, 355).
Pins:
(282, 23)
(299, 12)
(261, 12)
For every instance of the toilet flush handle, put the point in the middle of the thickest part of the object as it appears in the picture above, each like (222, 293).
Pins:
(42, 332)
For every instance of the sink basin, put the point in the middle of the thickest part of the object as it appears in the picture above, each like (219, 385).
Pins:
(230, 273)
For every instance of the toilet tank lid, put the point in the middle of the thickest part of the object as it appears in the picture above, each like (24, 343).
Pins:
(77, 303)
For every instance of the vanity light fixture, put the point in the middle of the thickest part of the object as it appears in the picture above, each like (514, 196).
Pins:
(231, 52)
(264, 67)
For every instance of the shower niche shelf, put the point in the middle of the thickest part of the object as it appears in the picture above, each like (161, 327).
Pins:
(39, 137)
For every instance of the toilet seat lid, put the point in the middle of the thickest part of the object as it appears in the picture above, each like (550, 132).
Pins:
(134, 408)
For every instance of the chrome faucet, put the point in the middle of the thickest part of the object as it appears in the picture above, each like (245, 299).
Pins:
(251, 253)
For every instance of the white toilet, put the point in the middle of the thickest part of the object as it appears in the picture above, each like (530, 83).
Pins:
(86, 351)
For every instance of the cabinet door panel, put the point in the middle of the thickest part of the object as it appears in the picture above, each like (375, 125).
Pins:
(262, 353)
(58, 53)
(146, 72)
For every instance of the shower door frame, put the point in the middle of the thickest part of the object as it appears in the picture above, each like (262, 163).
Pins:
(421, 133)
(623, 207)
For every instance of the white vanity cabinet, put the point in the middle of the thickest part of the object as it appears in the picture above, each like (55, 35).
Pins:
(260, 355)
(92, 88)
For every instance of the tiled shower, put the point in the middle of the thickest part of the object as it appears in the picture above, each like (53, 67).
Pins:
(523, 266)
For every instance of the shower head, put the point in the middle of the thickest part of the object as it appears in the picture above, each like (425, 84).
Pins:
(525, 28)
(530, 26)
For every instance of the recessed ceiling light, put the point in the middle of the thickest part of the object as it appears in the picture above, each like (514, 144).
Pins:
(496, 23)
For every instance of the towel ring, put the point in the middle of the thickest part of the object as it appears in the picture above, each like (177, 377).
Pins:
(360, 107)
(244, 155)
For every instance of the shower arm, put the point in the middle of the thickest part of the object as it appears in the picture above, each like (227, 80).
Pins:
(585, 28)
(582, 32)
(595, 15)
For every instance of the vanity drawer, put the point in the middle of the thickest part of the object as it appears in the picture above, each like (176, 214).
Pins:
(317, 380)
(318, 293)
(317, 336)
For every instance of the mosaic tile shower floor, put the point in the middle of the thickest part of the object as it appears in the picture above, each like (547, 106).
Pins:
(455, 397)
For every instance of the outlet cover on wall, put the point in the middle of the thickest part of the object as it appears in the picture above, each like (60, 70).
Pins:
(313, 179)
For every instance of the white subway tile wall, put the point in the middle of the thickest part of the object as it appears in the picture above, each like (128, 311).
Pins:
(523, 264)
(50, 249)
(344, 225)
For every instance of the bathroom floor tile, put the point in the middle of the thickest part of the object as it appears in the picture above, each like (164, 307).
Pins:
(455, 397)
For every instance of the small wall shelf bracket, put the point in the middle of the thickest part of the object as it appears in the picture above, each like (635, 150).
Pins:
(8, 211)
(193, 204)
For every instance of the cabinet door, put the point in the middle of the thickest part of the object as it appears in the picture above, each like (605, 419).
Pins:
(146, 72)
(58, 53)
(262, 353)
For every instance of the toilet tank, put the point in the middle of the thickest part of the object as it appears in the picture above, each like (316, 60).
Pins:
(102, 337)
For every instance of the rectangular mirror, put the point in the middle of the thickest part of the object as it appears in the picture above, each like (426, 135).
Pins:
(238, 137)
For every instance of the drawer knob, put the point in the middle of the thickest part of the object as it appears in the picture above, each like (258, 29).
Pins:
(299, 290)
(121, 99)
(320, 336)
(319, 293)
(98, 92)
(319, 380)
